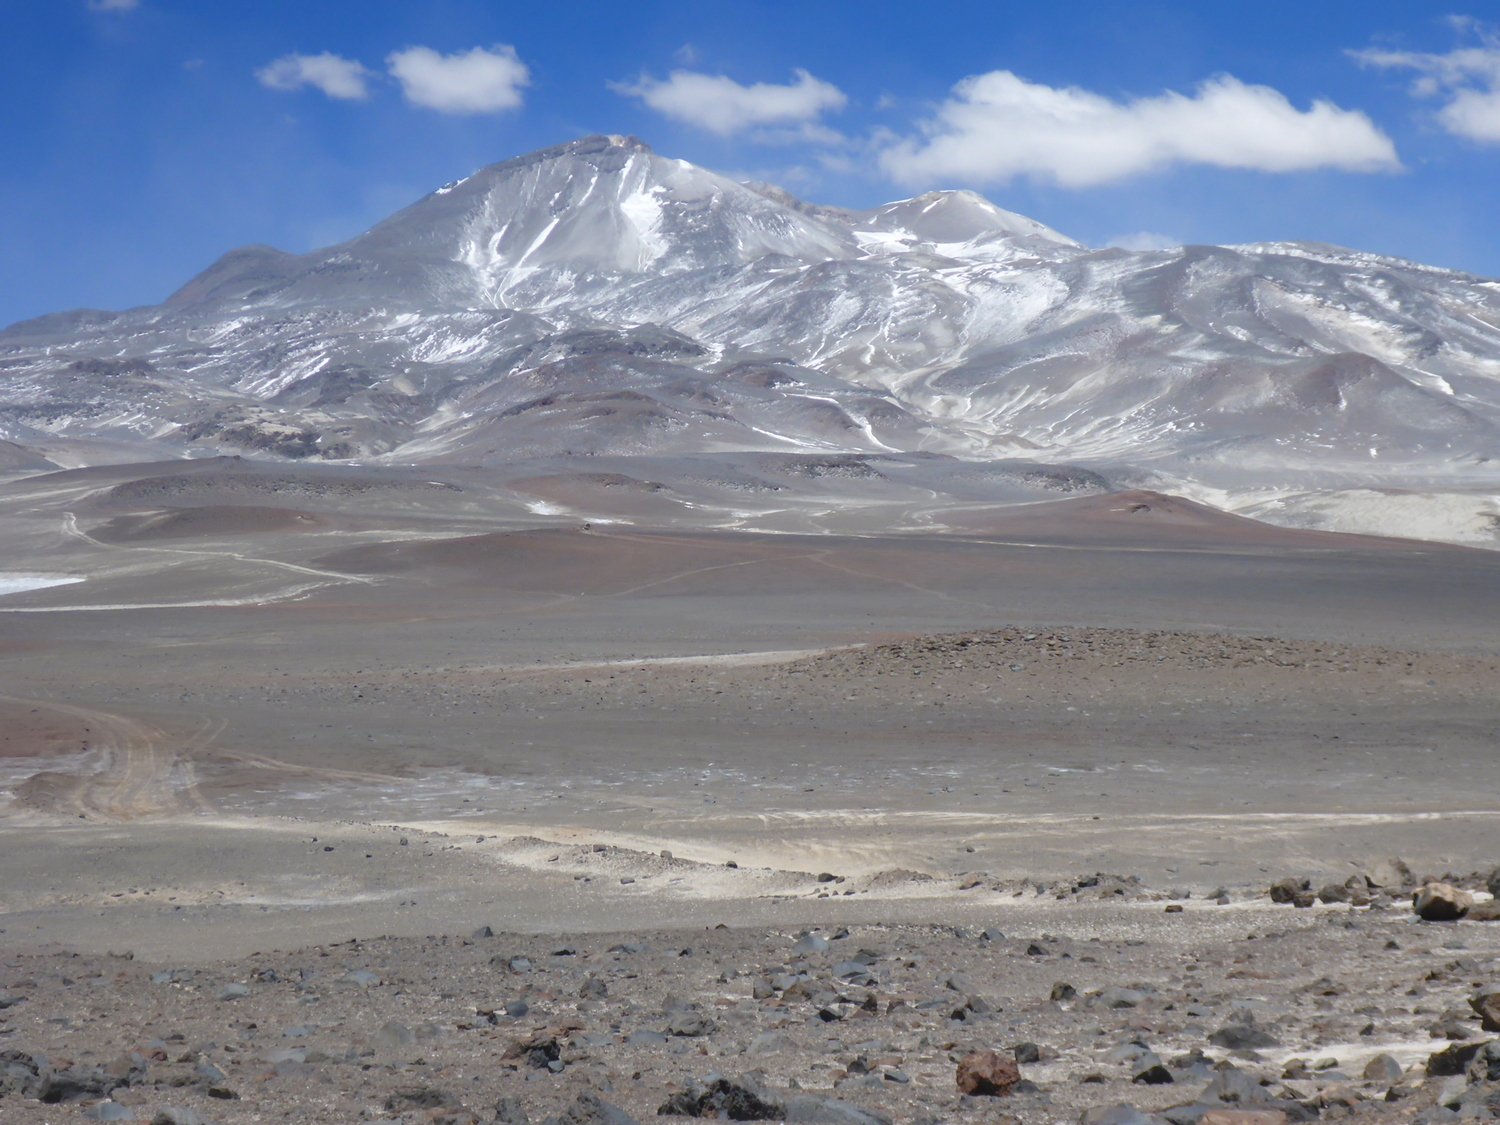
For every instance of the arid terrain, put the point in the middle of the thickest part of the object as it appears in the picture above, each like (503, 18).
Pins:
(277, 744)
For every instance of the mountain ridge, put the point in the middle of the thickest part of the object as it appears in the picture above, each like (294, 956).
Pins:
(598, 299)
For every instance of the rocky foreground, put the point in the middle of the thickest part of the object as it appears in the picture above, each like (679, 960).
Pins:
(1253, 1012)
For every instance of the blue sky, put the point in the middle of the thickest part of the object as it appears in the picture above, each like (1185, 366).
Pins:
(140, 139)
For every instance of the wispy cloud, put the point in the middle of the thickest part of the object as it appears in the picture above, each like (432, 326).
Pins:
(1466, 78)
(998, 126)
(476, 81)
(345, 79)
(723, 106)
(1145, 240)
(113, 5)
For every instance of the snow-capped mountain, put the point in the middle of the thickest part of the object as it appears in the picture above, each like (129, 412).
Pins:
(598, 299)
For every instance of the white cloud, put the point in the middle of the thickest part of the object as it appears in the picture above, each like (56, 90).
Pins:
(114, 5)
(337, 77)
(997, 126)
(476, 81)
(1468, 77)
(1145, 240)
(721, 105)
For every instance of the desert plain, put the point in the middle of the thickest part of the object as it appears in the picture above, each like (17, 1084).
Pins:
(340, 793)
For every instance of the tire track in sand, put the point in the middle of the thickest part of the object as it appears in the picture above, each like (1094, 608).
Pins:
(141, 769)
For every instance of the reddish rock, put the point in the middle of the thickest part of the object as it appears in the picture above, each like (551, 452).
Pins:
(987, 1073)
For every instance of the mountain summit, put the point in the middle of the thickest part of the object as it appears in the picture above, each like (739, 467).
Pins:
(598, 299)
(528, 232)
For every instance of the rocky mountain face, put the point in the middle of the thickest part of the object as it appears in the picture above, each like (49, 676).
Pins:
(598, 300)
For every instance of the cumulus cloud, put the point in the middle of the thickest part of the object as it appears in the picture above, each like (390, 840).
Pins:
(114, 5)
(1467, 78)
(998, 126)
(337, 77)
(476, 81)
(723, 106)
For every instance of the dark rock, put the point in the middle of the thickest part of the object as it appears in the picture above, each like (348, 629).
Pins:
(74, 1084)
(1063, 991)
(590, 1109)
(510, 1111)
(1382, 1068)
(1287, 890)
(537, 1051)
(719, 1097)
(1454, 1060)
(416, 1097)
(810, 943)
(1486, 1005)
(1486, 1065)
(1233, 1085)
(483, 932)
(1149, 1071)
(1243, 1037)
(1335, 892)
(689, 1024)
(986, 1073)
(1027, 1053)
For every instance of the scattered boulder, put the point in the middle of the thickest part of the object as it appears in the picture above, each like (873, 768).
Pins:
(1149, 1071)
(593, 989)
(987, 1073)
(1441, 902)
(1289, 889)
(510, 1111)
(1453, 1060)
(1487, 911)
(718, 1097)
(539, 1052)
(1243, 1037)
(1382, 1068)
(1486, 1064)
(1231, 1084)
(1389, 874)
(810, 943)
(416, 1097)
(689, 1024)
(590, 1109)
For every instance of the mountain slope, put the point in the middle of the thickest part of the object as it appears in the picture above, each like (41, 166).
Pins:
(596, 299)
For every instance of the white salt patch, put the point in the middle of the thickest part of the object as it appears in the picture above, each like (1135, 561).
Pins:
(11, 583)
